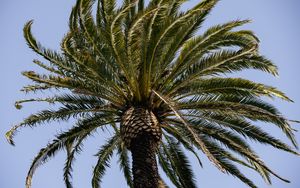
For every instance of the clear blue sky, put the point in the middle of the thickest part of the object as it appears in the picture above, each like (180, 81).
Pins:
(276, 22)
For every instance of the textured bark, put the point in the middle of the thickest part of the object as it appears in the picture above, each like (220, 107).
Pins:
(137, 121)
(144, 165)
(141, 133)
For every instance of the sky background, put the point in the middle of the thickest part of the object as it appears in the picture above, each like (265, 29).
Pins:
(276, 22)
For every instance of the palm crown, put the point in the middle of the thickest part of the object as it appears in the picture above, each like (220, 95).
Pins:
(141, 70)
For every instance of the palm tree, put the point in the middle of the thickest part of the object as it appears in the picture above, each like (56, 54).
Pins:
(140, 71)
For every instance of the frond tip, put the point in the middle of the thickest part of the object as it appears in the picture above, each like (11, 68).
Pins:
(18, 105)
(10, 134)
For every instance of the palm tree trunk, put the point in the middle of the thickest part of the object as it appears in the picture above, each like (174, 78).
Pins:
(144, 165)
(141, 134)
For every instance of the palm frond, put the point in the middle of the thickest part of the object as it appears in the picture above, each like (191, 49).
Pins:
(172, 44)
(137, 50)
(118, 45)
(65, 99)
(251, 108)
(72, 149)
(46, 116)
(86, 126)
(196, 137)
(228, 86)
(53, 57)
(42, 156)
(179, 162)
(246, 129)
(228, 166)
(104, 155)
(124, 164)
(166, 167)
(187, 145)
(175, 25)
(238, 145)
(108, 10)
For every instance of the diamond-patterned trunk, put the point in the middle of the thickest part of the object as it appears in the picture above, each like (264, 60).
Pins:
(137, 121)
(141, 134)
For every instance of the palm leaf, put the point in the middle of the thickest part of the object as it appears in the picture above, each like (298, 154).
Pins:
(71, 151)
(166, 167)
(124, 164)
(86, 126)
(179, 163)
(104, 155)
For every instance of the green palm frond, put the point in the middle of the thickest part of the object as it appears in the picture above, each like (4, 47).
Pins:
(221, 155)
(86, 126)
(226, 162)
(104, 155)
(179, 162)
(124, 164)
(170, 30)
(251, 108)
(107, 10)
(196, 138)
(65, 99)
(167, 168)
(187, 145)
(42, 156)
(246, 129)
(63, 114)
(228, 86)
(238, 145)
(72, 149)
